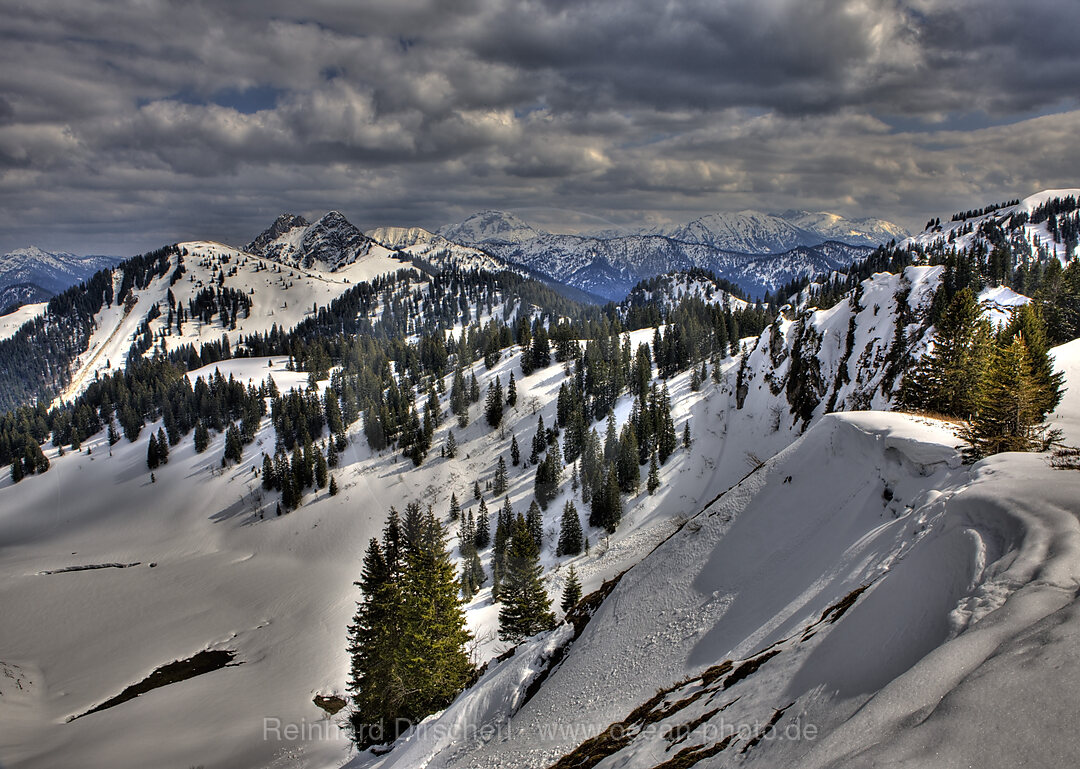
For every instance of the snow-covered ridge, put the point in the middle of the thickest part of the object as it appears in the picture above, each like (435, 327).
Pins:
(963, 234)
(665, 292)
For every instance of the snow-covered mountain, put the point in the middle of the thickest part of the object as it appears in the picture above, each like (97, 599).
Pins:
(758, 252)
(490, 227)
(865, 231)
(428, 248)
(328, 245)
(31, 274)
(750, 232)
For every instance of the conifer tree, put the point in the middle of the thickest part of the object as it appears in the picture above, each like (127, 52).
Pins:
(570, 531)
(321, 471)
(511, 391)
(515, 452)
(474, 389)
(686, 440)
(666, 441)
(627, 461)
(437, 665)
(526, 607)
(467, 534)
(451, 445)
(332, 454)
(493, 408)
(653, 483)
(503, 527)
(459, 400)
(1027, 322)
(153, 459)
(535, 521)
(572, 592)
(267, 472)
(539, 441)
(377, 691)
(606, 509)
(1008, 415)
(498, 486)
(455, 507)
(333, 486)
(948, 379)
(483, 527)
(407, 641)
(234, 447)
(163, 447)
(202, 437)
(476, 490)
(546, 486)
(695, 379)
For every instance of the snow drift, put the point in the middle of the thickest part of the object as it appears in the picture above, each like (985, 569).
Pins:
(863, 583)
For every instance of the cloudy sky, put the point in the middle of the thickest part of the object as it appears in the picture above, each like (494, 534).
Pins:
(125, 124)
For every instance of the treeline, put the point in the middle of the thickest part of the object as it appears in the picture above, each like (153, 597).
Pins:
(963, 216)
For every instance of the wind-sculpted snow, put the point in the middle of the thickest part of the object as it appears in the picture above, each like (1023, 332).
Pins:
(857, 582)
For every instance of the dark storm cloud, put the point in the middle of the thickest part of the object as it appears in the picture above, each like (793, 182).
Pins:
(123, 124)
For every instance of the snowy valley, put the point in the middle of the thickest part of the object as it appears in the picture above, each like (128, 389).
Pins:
(820, 577)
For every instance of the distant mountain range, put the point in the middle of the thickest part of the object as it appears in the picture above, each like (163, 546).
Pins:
(32, 274)
(759, 252)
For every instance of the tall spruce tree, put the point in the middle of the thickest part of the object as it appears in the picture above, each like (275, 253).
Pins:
(535, 521)
(948, 379)
(526, 607)
(606, 509)
(376, 682)
(653, 482)
(498, 485)
(202, 437)
(570, 535)
(493, 408)
(407, 640)
(1008, 415)
(1027, 322)
(571, 592)
(483, 527)
(511, 391)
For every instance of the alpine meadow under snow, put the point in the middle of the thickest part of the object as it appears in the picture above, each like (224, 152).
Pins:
(748, 491)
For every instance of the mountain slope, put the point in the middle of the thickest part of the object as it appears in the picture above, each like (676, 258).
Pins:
(847, 585)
